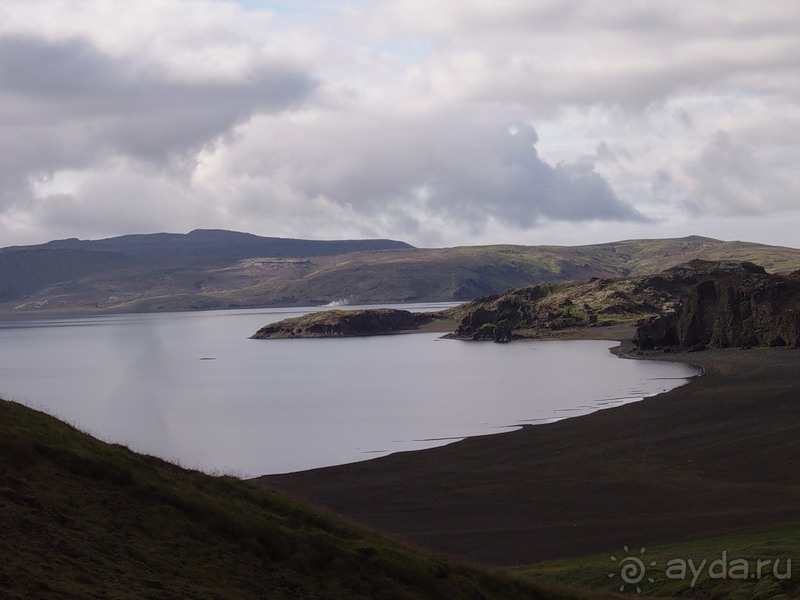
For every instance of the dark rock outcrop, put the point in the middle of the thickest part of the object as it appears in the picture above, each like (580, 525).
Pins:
(694, 305)
(557, 306)
(500, 332)
(741, 307)
(345, 323)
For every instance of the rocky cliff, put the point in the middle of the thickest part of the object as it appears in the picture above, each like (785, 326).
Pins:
(693, 305)
(740, 307)
(592, 303)
(699, 303)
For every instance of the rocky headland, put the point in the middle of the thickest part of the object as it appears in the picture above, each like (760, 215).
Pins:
(697, 304)
(739, 307)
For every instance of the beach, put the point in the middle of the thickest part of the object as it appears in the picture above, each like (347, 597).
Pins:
(718, 455)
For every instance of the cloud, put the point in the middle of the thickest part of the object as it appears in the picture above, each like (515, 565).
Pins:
(67, 105)
(462, 167)
(547, 53)
(121, 195)
(727, 178)
(464, 121)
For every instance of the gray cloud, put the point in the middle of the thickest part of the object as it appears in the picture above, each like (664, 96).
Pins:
(726, 178)
(464, 166)
(67, 105)
(75, 79)
(545, 54)
(725, 175)
(392, 118)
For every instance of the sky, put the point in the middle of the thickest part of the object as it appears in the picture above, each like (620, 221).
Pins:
(436, 122)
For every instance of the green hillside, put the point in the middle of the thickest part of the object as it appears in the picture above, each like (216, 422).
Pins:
(719, 568)
(80, 518)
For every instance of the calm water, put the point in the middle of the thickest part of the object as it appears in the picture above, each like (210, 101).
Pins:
(192, 387)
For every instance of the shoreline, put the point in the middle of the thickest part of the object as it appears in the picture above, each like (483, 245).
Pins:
(692, 462)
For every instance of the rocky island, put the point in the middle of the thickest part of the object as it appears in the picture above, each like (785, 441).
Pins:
(347, 323)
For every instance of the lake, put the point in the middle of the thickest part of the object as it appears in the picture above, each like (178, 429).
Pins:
(192, 388)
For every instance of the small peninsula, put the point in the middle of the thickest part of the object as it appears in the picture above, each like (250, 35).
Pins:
(700, 303)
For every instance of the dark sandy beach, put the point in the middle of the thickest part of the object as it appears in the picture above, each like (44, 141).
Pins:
(719, 455)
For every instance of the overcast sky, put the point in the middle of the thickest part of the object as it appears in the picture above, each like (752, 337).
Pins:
(436, 122)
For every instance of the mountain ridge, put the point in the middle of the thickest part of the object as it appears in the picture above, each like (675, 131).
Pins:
(213, 242)
(237, 274)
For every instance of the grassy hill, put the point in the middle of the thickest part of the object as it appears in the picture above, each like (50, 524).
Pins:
(465, 273)
(270, 278)
(80, 518)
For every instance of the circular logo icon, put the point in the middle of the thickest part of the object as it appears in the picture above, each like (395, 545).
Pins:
(632, 570)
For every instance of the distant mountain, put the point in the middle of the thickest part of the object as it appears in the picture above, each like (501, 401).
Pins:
(214, 243)
(25, 270)
(213, 269)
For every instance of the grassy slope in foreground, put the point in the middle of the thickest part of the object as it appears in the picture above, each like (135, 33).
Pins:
(81, 518)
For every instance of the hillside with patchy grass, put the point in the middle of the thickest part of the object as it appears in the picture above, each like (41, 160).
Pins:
(208, 274)
(701, 302)
(80, 518)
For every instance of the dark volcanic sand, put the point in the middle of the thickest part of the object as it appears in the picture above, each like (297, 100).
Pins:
(719, 455)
